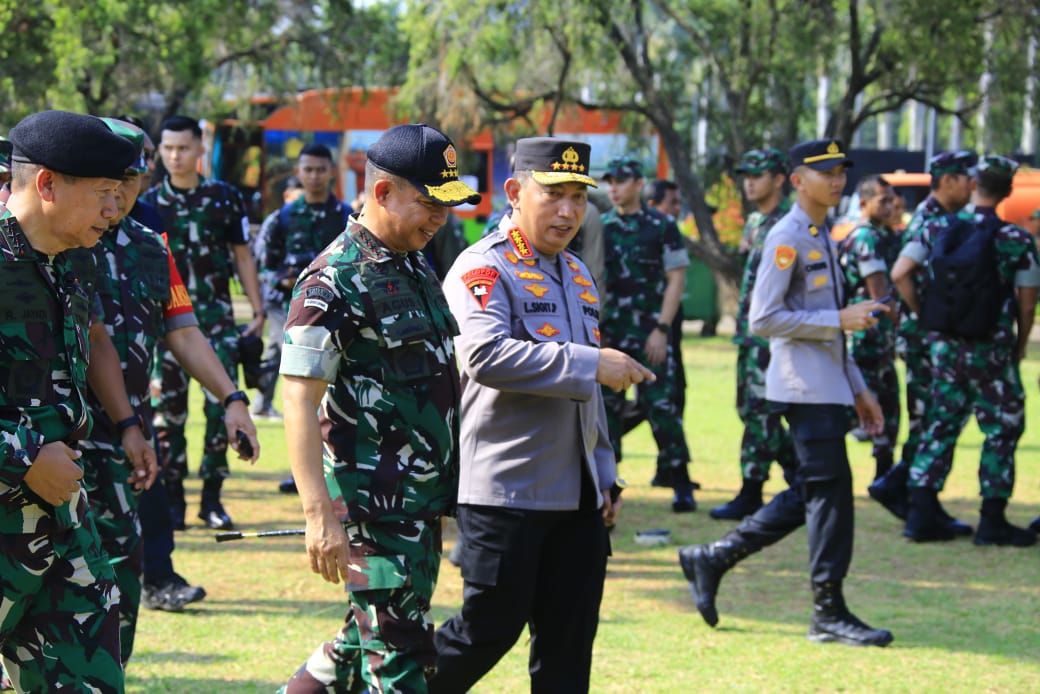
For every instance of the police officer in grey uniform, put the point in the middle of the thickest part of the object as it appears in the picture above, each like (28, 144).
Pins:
(797, 303)
(537, 466)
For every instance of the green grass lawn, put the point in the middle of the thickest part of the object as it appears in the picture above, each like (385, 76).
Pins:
(964, 617)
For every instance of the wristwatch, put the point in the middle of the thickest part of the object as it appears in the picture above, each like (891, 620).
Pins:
(133, 421)
(663, 327)
(237, 395)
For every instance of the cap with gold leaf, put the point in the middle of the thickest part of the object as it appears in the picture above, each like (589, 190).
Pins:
(425, 157)
(821, 155)
(551, 160)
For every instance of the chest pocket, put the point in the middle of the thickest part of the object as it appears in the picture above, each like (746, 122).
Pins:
(153, 274)
(401, 321)
(28, 316)
(546, 329)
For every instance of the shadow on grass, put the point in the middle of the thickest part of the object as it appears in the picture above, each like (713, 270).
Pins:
(196, 685)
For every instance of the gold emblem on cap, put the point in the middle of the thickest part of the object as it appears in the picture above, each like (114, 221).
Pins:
(450, 157)
(832, 148)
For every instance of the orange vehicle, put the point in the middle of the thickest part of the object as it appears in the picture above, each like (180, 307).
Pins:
(1016, 208)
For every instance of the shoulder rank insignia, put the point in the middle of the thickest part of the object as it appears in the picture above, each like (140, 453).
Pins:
(784, 256)
(536, 289)
(547, 330)
(588, 297)
(480, 281)
(520, 244)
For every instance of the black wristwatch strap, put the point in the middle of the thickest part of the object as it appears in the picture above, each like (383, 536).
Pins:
(134, 421)
(664, 327)
(237, 395)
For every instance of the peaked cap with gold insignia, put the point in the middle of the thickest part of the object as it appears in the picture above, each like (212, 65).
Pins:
(425, 157)
(551, 160)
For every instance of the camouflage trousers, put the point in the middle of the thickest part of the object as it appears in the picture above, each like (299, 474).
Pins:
(765, 437)
(879, 373)
(914, 351)
(386, 643)
(59, 624)
(114, 504)
(972, 379)
(660, 401)
(171, 415)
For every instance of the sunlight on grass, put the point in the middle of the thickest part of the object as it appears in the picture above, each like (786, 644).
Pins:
(964, 617)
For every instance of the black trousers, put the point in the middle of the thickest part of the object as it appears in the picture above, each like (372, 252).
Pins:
(821, 496)
(544, 569)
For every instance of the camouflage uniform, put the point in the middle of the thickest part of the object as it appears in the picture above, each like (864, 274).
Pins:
(979, 376)
(865, 251)
(376, 326)
(639, 249)
(765, 438)
(59, 625)
(288, 240)
(200, 225)
(134, 287)
(910, 341)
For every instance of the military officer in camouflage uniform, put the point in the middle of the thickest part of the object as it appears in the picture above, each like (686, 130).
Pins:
(765, 437)
(143, 299)
(537, 464)
(208, 232)
(866, 256)
(798, 302)
(59, 627)
(951, 189)
(644, 278)
(977, 375)
(369, 339)
(287, 243)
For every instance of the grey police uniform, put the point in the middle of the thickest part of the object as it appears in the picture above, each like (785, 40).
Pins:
(529, 351)
(812, 380)
(534, 453)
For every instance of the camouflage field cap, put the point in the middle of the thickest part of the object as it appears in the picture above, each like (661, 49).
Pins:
(551, 160)
(760, 161)
(136, 136)
(623, 168)
(5, 155)
(427, 159)
(821, 155)
(959, 162)
(998, 166)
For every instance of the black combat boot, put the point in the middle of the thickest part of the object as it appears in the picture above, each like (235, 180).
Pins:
(704, 566)
(958, 528)
(890, 491)
(747, 501)
(211, 511)
(923, 520)
(178, 506)
(682, 501)
(994, 528)
(833, 623)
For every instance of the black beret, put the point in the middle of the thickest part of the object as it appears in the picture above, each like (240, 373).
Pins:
(427, 158)
(553, 161)
(72, 144)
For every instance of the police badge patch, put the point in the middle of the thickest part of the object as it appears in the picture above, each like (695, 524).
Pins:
(480, 281)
